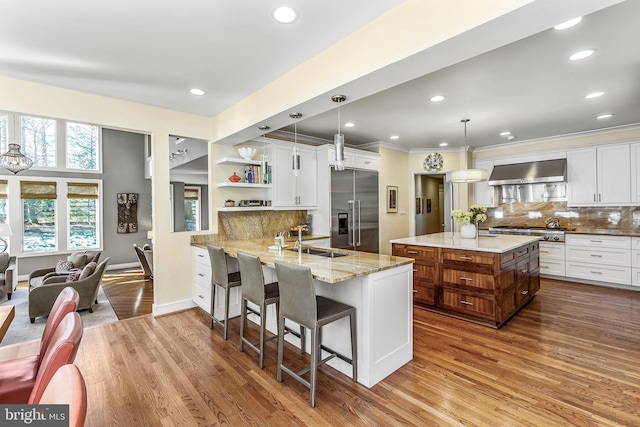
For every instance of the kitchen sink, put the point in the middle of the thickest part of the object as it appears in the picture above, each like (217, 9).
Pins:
(321, 252)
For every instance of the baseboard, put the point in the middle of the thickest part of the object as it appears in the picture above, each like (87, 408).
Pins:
(172, 307)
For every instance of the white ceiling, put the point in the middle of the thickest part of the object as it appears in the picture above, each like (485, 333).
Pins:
(153, 52)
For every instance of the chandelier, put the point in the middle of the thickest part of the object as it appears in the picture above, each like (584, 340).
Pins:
(14, 161)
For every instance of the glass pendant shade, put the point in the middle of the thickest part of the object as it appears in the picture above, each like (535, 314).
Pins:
(295, 161)
(338, 140)
(14, 161)
(467, 175)
(264, 164)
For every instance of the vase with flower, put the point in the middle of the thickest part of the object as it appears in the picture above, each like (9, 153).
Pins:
(469, 220)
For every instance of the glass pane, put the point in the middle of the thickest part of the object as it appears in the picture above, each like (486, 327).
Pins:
(39, 140)
(3, 211)
(4, 132)
(191, 220)
(39, 216)
(83, 223)
(82, 146)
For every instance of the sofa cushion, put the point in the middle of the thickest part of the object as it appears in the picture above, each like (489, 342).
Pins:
(36, 282)
(78, 259)
(4, 261)
(87, 270)
(62, 266)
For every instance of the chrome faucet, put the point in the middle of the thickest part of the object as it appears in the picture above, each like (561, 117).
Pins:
(298, 244)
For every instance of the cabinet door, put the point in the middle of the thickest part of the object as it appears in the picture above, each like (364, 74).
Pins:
(614, 174)
(282, 177)
(635, 172)
(307, 181)
(581, 177)
(483, 193)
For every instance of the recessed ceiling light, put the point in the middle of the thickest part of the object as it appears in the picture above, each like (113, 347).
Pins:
(594, 95)
(505, 133)
(196, 91)
(568, 24)
(444, 144)
(394, 137)
(582, 54)
(349, 124)
(285, 15)
(437, 98)
(605, 116)
(511, 137)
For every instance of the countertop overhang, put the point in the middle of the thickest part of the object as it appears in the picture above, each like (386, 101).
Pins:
(330, 270)
(498, 243)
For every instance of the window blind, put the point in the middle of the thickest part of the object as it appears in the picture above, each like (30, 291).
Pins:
(82, 190)
(191, 194)
(38, 190)
(3, 188)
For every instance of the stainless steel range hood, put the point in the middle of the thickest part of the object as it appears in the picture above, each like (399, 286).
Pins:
(529, 173)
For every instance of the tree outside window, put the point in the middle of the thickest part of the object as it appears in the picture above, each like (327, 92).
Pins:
(4, 132)
(39, 232)
(83, 223)
(39, 140)
(191, 208)
(82, 146)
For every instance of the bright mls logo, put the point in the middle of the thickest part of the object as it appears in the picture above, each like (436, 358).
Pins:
(34, 415)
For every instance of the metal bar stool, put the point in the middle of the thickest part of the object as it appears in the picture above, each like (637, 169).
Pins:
(299, 303)
(220, 276)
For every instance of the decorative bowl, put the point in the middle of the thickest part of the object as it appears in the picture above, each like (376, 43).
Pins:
(247, 153)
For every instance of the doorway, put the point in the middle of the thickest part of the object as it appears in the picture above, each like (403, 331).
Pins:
(430, 206)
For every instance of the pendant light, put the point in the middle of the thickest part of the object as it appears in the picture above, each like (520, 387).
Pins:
(264, 158)
(14, 161)
(466, 175)
(338, 139)
(295, 155)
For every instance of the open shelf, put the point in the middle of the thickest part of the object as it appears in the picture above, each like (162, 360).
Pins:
(243, 185)
(245, 208)
(237, 161)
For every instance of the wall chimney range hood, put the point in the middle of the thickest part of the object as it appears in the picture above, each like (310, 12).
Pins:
(543, 171)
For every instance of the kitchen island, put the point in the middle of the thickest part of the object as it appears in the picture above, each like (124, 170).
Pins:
(378, 286)
(485, 280)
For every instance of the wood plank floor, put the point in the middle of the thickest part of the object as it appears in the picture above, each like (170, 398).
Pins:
(129, 293)
(570, 357)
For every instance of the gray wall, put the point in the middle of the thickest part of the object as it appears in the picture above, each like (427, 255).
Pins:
(123, 166)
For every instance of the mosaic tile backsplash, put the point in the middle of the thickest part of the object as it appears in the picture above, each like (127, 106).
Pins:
(614, 218)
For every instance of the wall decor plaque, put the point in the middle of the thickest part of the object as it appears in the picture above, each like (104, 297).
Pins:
(127, 213)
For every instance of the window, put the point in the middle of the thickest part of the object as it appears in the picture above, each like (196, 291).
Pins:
(39, 140)
(82, 146)
(191, 208)
(3, 201)
(4, 133)
(83, 215)
(39, 215)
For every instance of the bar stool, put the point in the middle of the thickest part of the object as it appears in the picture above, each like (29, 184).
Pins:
(299, 303)
(220, 276)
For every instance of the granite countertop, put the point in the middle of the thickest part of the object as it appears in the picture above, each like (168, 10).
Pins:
(330, 270)
(493, 243)
(607, 231)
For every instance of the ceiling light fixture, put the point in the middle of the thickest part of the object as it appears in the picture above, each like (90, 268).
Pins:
(568, 24)
(196, 91)
(443, 144)
(594, 95)
(394, 137)
(14, 161)
(437, 98)
(605, 116)
(285, 15)
(295, 155)
(466, 175)
(505, 133)
(338, 139)
(349, 124)
(582, 54)
(264, 127)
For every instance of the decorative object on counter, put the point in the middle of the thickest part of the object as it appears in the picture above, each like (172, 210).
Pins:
(235, 178)
(392, 198)
(338, 139)
(247, 153)
(433, 162)
(229, 203)
(466, 175)
(307, 222)
(298, 230)
(14, 161)
(470, 219)
(295, 155)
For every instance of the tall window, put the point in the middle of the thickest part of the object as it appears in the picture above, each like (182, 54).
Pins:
(83, 215)
(39, 140)
(3, 201)
(4, 133)
(191, 208)
(82, 146)
(39, 215)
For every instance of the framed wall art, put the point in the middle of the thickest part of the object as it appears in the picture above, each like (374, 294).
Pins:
(127, 213)
(392, 198)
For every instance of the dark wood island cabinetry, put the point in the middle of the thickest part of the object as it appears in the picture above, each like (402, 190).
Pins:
(485, 280)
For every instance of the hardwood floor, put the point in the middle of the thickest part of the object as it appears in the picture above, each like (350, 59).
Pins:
(128, 292)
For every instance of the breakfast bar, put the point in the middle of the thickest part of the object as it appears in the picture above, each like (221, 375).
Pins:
(378, 286)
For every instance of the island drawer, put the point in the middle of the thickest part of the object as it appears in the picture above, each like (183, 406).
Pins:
(415, 252)
(468, 279)
(424, 292)
(201, 273)
(471, 258)
(425, 271)
(202, 296)
(483, 306)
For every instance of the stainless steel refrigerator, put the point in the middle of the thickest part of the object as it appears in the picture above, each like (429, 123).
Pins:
(354, 210)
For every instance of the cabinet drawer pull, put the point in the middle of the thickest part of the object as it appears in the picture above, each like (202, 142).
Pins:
(200, 296)
(544, 266)
(596, 256)
(466, 302)
(200, 274)
(595, 272)
(412, 252)
(524, 271)
(415, 270)
(415, 292)
(201, 256)
(465, 257)
(545, 252)
(466, 278)
(595, 241)
(524, 292)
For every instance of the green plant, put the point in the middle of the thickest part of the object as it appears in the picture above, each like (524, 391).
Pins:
(229, 201)
(475, 215)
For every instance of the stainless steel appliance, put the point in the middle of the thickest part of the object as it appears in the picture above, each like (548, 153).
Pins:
(547, 234)
(354, 210)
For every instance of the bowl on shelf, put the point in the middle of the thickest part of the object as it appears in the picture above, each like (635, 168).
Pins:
(247, 153)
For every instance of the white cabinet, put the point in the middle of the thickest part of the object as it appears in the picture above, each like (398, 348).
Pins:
(201, 285)
(635, 261)
(483, 193)
(635, 172)
(552, 259)
(600, 258)
(599, 176)
(354, 159)
(289, 191)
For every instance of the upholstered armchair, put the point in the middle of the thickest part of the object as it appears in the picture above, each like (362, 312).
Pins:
(77, 259)
(145, 256)
(43, 295)
(8, 274)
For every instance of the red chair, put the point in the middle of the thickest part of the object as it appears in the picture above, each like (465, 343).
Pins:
(19, 382)
(67, 387)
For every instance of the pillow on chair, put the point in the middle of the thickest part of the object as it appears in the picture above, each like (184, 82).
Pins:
(73, 277)
(77, 259)
(87, 270)
(62, 266)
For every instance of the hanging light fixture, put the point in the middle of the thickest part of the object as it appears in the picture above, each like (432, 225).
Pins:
(466, 175)
(338, 139)
(295, 155)
(14, 161)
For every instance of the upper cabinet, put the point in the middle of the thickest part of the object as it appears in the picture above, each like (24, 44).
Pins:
(483, 193)
(635, 172)
(353, 158)
(290, 191)
(599, 176)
